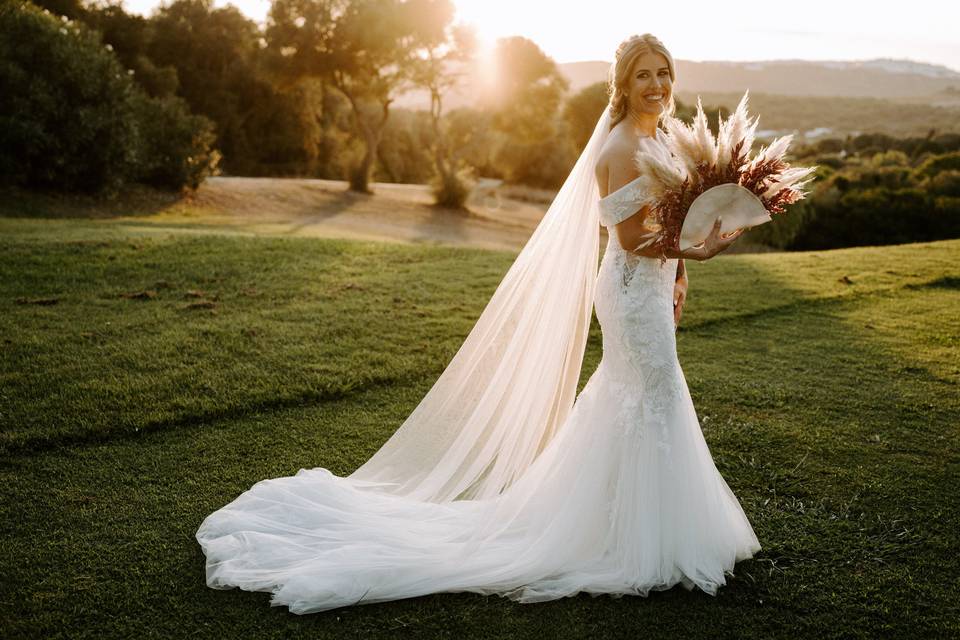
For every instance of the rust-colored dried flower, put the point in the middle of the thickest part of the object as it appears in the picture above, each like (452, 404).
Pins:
(698, 162)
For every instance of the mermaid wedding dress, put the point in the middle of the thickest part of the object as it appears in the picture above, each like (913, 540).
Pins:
(623, 498)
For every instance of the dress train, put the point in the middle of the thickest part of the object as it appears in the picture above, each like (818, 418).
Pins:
(624, 499)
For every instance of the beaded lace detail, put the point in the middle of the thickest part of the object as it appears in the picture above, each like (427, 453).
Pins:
(624, 202)
(634, 306)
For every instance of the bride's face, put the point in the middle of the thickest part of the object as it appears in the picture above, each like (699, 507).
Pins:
(649, 85)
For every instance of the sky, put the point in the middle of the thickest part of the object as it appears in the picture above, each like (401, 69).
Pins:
(919, 30)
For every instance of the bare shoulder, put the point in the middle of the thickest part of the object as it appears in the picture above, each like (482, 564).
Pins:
(615, 166)
(617, 149)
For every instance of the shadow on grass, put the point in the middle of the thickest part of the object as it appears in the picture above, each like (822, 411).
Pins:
(334, 203)
(831, 420)
(315, 323)
(136, 200)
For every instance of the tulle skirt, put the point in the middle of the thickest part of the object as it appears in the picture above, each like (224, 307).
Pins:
(625, 499)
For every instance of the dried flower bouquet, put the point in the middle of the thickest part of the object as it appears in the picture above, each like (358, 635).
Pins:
(702, 178)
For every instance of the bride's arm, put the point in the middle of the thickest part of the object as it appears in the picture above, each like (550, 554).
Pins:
(637, 238)
(632, 233)
(634, 236)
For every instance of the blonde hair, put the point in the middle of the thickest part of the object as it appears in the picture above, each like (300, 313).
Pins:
(619, 75)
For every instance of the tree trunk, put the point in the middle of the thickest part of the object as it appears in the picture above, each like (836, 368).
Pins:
(451, 192)
(372, 134)
(440, 147)
(360, 175)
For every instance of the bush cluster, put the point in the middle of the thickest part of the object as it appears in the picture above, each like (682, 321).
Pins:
(72, 118)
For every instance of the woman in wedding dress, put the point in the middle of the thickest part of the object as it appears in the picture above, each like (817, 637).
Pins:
(500, 482)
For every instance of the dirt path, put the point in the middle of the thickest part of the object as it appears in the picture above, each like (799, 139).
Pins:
(324, 208)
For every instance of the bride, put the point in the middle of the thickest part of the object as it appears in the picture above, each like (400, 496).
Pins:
(503, 480)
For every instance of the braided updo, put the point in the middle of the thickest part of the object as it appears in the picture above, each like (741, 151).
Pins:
(619, 76)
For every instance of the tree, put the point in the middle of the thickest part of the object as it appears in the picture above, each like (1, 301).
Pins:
(114, 134)
(129, 36)
(529, 88)
(534, 148)
(217, 55)
(365, 49)
(583, 109)
(445, 50)
(72, 9)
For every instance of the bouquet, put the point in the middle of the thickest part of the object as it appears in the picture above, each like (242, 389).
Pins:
(702, 178)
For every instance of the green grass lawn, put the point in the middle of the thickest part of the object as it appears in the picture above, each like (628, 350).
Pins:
(147, 379)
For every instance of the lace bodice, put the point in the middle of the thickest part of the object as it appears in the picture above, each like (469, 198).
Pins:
(633, 303)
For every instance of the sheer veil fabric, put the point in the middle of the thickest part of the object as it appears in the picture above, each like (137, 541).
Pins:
(513, 381)
(503, 480)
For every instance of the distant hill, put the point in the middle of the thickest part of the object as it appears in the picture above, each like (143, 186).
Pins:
(901, 80)
(812, 117)
(897, 97)
(881, 78)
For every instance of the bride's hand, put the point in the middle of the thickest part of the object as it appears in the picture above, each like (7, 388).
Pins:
(679, 297)
(716, 243)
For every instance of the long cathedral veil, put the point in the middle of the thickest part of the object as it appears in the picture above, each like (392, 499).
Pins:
(513, 382)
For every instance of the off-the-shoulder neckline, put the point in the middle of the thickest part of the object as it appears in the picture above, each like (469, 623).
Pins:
(615, 191)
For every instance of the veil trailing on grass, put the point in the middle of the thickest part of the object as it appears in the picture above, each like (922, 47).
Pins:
(512, 383)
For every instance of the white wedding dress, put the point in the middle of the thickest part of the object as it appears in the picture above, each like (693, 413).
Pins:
(625, 498)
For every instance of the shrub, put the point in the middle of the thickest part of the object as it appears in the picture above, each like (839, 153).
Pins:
(544, 163)
(945, 183)
(877, 216)
(72, 119)
(452, 190)
(891, 158)
(175, 145)
(935, 164)
(890, 176)
(65, 118)
(781, 231)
